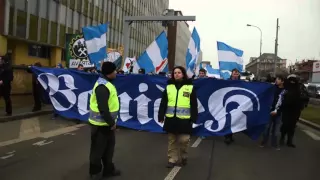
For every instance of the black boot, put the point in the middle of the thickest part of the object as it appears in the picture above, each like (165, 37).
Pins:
(289, 142)
(184, 162)
(111, 171)
(228, 139)
(95, 177)
(171, 165)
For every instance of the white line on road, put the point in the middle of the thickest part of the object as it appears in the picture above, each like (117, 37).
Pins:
(11, 152)
(312, 135)
(176, 169)
(196, 143)
(42, 143)
(7, 156)
(61, 131)
(173, 173)
(42, 135)
(71, 134)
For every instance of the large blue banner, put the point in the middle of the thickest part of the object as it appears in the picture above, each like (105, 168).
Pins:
(224, 106)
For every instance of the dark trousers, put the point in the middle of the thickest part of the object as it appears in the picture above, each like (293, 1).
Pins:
(102, 149)
(5, 91)
(37, 94)
(289, 121)
(273, 128)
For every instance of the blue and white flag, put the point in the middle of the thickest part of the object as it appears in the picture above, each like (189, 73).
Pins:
(212, 72)
(155, 57)
(224, 106)
(193, 53)
(229, 58)
(96, 42)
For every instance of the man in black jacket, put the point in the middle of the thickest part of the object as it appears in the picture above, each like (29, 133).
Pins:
(104, 107)
(6, 77)
(37, 89)
(291, 108)
(235, 75)
(275, 115)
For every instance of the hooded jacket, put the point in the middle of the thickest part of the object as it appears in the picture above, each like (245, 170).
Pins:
(6, 73)
(175, 124)
(292, 97)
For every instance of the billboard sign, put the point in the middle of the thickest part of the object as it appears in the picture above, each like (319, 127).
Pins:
(316, 67)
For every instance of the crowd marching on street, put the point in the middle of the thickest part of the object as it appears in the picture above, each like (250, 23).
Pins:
(178, 110)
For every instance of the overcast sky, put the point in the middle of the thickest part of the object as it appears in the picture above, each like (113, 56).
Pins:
(217, 20)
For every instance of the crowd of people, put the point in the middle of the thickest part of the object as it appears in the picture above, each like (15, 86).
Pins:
(178, 110)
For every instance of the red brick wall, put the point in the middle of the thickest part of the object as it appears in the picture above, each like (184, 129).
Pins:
(2, 8)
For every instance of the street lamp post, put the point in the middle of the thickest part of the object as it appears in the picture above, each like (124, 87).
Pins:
(260, 35)
(258, 61)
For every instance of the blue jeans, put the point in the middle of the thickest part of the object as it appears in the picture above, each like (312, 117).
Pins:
(274, 128)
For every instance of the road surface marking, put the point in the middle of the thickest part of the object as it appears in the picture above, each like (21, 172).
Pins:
(7, 156)
(312, 135)
(43, 135)
(11, 152)
(60, 131)
(42, 143)
(176, 169)
(196, 143)
(72, 134)
(173, 173)
(29, 126)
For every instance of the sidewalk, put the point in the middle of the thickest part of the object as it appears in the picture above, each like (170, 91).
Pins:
(22, 108)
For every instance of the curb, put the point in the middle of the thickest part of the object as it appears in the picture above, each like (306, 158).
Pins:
(24, 115)
(309, 124)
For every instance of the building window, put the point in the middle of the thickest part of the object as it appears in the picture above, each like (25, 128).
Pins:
(39, 51)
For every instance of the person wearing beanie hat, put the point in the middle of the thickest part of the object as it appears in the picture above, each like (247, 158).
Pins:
(290, 110)
(104, 108)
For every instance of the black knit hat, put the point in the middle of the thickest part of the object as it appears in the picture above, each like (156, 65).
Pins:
(108, 68)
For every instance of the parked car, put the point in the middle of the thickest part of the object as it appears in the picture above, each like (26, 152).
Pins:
(314, 90)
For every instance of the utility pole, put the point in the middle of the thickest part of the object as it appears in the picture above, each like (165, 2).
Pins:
(276, 49)
(128, 20)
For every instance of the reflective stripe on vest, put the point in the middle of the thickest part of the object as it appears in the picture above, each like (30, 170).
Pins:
(95, 117)
(179, 101)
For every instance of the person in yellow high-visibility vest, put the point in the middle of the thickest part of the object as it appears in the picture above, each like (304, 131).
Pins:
(178, 110)
(104, 108)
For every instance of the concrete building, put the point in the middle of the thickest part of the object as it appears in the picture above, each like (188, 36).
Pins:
(316, 72)
(304, 69)
(178, 37)
(34, 30)
(264, 65)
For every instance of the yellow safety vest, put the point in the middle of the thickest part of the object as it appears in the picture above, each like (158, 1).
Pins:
(179, 101)
(113, 103)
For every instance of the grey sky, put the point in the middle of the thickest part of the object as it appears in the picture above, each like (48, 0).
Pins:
(299, 35)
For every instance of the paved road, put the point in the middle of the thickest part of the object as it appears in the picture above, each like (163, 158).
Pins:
(142, 156)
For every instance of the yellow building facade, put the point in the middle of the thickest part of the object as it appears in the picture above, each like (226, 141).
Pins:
(34, 30)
